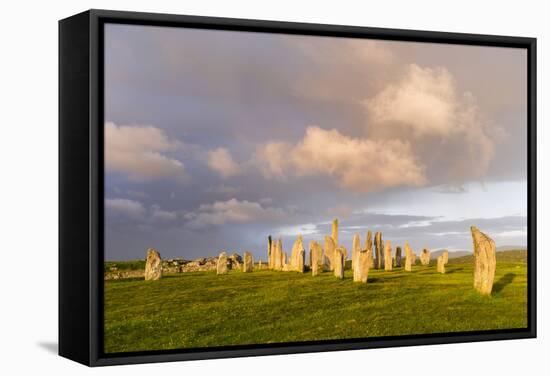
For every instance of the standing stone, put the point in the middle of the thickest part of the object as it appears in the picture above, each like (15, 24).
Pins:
(408, 257)
(260, 264)
(484, 260)
(278, 255)
(335, 231)
(297, 256)
(398, 257)
(413, 258)
(221, 266)
(339, 262)
(316, 253)
(153, 265)
(379, 248)
(425, 257)
(441, 264)
(368, 247)
(355, 249)
(445, 255)
(269, 248)
(362, 265)
(387, 257)
(329, 250)
(248, 263)
(284, 262)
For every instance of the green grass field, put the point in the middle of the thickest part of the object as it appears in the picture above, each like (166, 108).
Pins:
(201, 309)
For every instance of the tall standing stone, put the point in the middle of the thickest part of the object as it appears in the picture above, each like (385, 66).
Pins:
(297, 256)
(330, 249)
(355, 249)
(153, 265)
(335, 231)
(398, 257)
(379, 248)
(221, 266)
(284, 262)
(368, 247)
(425, 257)
(408, 257)
(339, 262)
(269, 249)
(248, 262)
(316, 252)
(388, 261)
(484, 260)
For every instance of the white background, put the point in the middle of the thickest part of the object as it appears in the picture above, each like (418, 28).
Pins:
(28, 160)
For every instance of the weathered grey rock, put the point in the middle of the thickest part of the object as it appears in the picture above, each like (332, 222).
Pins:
(379, 251)
(297, 256)
(153, 265)
(329, 253)
(362, 265)
(222, 265)
(338, 260)
(425, 257)
(388, 260)
(484, 261)
(355, 249)
(235, 261)
(248, 262)
(408, 257)
(398, 257)
(335, 231)
(316, 252)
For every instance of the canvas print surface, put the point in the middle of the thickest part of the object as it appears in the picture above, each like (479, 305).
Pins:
(270, 188)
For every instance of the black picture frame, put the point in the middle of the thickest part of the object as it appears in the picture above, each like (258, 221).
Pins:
(81, 184)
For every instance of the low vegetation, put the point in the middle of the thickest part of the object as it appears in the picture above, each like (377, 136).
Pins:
(199, 309)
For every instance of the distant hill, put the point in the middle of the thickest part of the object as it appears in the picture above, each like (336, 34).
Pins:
(517, 255)
(452, 254)
(511, 248)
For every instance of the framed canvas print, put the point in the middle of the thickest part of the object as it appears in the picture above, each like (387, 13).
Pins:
(236, 187)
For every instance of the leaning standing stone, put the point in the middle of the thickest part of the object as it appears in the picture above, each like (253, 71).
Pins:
(339, 262)
(398, 257)
(153, 265)
(484, 260)
(221, 266)
(248, 263)
(387, 256)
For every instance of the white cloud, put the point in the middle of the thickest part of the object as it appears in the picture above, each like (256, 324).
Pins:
(446, 127)
(125, 208)
(157, 214)
(231, 211)
(359, 164)
(220, 160)
(305, 229)
(138, 152)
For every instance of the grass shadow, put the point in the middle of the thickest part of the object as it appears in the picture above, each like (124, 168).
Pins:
(503, 281)
(451, 271)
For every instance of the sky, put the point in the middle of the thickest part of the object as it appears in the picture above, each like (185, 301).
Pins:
(216, 139)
